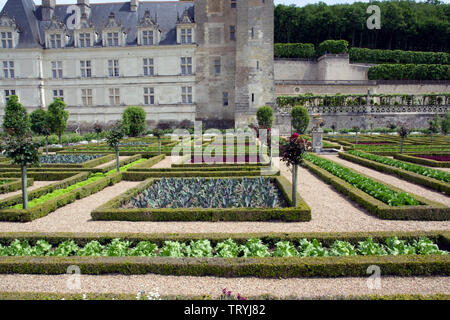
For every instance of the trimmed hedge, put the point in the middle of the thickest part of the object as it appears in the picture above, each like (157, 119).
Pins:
(409, 72)
(13, 185)
(398, 56)
(41, 210)
(68, 166)
(210, 168)
(294, 50)
(430, 210)
(42, 176)
(427, 162)
(403, 174)
(140, 176)
(121, 163)
(112, 211)
(233, 267)
(332, 47)
(149, 163)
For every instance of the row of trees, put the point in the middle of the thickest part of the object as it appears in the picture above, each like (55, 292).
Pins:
(405, 25)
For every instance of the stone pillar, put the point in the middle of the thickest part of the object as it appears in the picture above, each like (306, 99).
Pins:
(317, 134)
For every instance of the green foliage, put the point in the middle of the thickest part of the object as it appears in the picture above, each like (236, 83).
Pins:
(294, 149)
(332, 47)
(133, 120)
(403, 131)
(427, 172)
(21, 149)
(40, 123)
(115, 136)
(434, 125)
(69, 158)
(57, 117)
(409, 72)
(209, 193)
(445, 123)
(375, 189)
(264, 115)
(16, 120)
(294, 50)
(398, 56)
(300, 119)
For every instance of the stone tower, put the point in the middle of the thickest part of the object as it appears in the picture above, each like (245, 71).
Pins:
(234, 60)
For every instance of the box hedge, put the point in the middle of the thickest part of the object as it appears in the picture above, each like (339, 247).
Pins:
(409, 72)
(398, 56)
(12, 185)
(294, 50)
(426, 162)
(140, 176)
(112, 209)
(429, 210)
(413, 177)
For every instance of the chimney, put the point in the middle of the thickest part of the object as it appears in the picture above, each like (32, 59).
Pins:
(85, 7)
(134, 4)
(48, 7)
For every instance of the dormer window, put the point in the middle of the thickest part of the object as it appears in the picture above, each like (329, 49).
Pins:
(9, 33)
(85, 36)
(85, 40)
(113, 33)
(112, 39)
(147, 38)
(55, 34)
(55, 41)
(185, 29)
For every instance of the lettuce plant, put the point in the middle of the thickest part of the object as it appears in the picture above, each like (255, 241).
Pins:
(311, 248)
(227, 249)
(285, 249)
(255, 248)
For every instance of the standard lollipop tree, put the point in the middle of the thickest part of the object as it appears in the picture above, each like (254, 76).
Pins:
(113, 139)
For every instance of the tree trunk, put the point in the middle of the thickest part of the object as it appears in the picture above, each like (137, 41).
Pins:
(159, 145)
(356, 138)
(24, 187)
(401, 145)
(60, 139)
(294, 185)
(46, 145)
(117, 160)
(431, 137)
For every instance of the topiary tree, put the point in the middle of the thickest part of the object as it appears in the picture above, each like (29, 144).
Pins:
(57, 117)
(434, 126)
(113, 139)
(292, 152)
(15, 120)
(40, 125)
(299, 119)
(133, 120)
(403, 131)
(445, 124)
(264, 115)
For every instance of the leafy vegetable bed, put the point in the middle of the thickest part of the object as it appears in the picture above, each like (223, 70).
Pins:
(428, 172)
(66, 158)
(225, 160)
(209, 193)
(375, 189)
(226, 249)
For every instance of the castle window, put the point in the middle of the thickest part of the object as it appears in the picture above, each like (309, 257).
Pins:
(55, 41)
(217, 66)
(6, 39)
(148, 67)
(186, 95)
(86, 68)
(58, 94)
(186, 35)
(8, 93)
(253, 33)
(225, 98)
(149, 96)
(114, 96)
(85, 40)
(147, 38)
(8, 69)
(57, 69)
(186, 65)
(233, 3)
(232, 33)
(112, 39)
(86, 97)
(113, 68)
(253, 97)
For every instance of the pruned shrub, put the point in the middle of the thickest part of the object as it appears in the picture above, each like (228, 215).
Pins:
(133, 120)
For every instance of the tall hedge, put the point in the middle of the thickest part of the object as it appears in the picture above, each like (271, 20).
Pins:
(133, 121)
(332, 47)
(409, 72)
(299, 119)
(398, 56)
(264, 115)
(294, 50)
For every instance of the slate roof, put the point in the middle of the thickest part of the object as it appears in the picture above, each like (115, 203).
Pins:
(29, 19)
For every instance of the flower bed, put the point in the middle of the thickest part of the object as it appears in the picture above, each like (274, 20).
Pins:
(442, 158)
(422, 160)
(228, 255)
(114, 209)
(225, 159)
(69, 158)
(382, 200)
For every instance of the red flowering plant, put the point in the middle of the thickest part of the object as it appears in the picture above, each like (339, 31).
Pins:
(292, 152)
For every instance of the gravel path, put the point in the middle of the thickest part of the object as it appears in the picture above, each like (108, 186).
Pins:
(36, 185)
(331, 212)
(188, 286)
(393, 180)
(165, 163)
(111, 162)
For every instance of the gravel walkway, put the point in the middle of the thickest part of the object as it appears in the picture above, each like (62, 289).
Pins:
(165, 163)
(111, 162)
(36, 185)
(188, 286)
(331, 212)
(393, 180)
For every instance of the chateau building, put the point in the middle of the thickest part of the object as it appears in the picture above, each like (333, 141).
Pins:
(208, 60)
